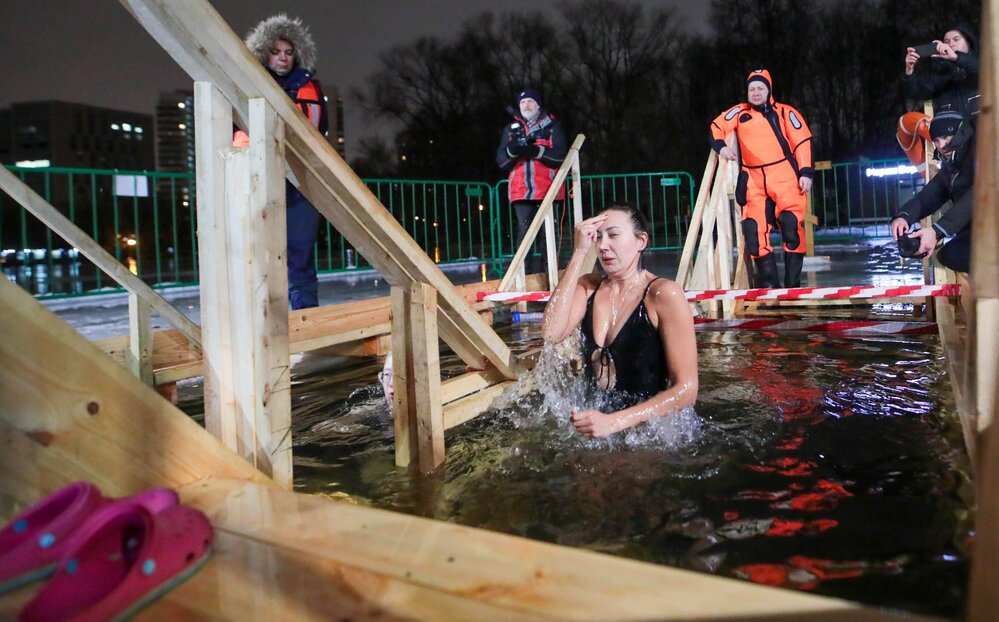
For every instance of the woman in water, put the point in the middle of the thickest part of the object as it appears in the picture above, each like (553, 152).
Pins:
(637, 329)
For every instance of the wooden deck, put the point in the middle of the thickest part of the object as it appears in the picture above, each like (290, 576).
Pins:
(286, 556)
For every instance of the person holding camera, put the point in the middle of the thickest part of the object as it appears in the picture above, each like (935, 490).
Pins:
(775, 151)
(532, 148)
(946, 72)
(954, 139)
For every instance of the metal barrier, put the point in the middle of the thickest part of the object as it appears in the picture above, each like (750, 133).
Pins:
(666, 199)
(448, 219)
(145, 219)
(858, 199)
(148, 220)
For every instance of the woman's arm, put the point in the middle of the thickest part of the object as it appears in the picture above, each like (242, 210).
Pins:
(676, 332)
(567, 305)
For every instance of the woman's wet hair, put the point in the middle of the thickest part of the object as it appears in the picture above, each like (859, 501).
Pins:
(638, 220)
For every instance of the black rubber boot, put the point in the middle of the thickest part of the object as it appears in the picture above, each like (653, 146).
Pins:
(792, 269)
(766, 271)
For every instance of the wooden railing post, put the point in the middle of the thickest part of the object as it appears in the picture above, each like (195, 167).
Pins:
(140, 339)
(418, 405)
(241, 234)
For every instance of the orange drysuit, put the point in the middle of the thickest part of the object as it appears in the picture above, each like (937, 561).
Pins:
(775, 150)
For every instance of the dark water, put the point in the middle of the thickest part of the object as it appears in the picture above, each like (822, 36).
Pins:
(813, 462)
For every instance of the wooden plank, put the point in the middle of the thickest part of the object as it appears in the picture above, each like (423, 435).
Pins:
(471, 406)
(983, 598)
(460, 386)
(954, 347)
(577, 214)
(546, 205)
(140, 339)
(984, 365)
(259, 288)
(200, 41)
(810, 221)
(529, 578)
(426, 376)
(352, 328)
(551, 250)
(403, 404)
(213, 139)
(69, 413)
(53, 219)
(703, 194)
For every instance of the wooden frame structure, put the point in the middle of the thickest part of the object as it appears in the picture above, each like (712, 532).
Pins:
(69, 412)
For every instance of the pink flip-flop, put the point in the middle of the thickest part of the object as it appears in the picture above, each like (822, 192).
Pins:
(120, 561)
(32, 544)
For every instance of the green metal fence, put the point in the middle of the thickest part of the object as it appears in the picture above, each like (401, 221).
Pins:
(148, 220)
(666, 199)
(145, 219)
(858, 199)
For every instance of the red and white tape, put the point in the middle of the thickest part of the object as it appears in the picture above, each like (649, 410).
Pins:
(845, 327)
(793, 293)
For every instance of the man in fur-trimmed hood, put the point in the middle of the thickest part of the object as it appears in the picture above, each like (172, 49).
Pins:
(285, 48)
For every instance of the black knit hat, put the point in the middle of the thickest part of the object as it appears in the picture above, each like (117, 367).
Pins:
(530, 93)
(946, 124)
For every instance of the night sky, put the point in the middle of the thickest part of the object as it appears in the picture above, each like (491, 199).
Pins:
(94, 52)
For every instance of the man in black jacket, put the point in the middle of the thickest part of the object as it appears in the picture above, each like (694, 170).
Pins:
(953, 138)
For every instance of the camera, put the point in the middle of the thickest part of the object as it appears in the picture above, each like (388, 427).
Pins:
(908, 247)
(518, 135)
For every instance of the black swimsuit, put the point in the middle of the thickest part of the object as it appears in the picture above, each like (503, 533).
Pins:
(634, 362)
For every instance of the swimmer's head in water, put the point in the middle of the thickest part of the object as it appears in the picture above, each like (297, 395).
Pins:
(622, 238)
(385, 377)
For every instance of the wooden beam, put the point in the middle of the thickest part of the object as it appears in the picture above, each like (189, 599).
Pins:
(258, 297)
(201, 42)
(356, 327)
(577, 214)
(140, 339)
(690, 243)
(213, 140)
(70, 413)
(546, 205)
(445, 565)
(417, 407)
(983, 597)
(64, 227)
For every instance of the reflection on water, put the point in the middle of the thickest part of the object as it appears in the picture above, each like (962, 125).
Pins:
(813, 462)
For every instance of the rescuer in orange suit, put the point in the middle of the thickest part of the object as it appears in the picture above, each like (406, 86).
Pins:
(775, 150)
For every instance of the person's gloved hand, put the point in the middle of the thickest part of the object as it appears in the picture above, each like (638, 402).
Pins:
(533, 151)
(518, 151)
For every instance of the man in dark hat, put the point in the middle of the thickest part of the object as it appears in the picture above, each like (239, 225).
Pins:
(532, 148)
(953, 137)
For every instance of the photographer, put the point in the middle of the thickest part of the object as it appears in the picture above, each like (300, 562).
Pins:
(532, 148)
(945, 71)
(954, 139)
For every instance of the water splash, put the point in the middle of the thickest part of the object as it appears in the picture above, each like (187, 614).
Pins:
(546, 397)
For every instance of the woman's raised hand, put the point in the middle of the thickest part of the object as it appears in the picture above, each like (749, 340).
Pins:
(586, 232)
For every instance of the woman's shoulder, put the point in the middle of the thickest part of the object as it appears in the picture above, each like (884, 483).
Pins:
(590, 282)
(662, 290)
